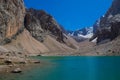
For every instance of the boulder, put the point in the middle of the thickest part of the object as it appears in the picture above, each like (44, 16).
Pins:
(17, 70)
(22, 62)
(36, 62)
(8, 62)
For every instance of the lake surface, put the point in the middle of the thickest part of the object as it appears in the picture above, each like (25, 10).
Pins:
(71, 68)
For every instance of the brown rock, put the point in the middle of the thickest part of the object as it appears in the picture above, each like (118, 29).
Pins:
(11, 18)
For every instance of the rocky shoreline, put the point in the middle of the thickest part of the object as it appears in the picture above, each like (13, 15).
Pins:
(16, 64)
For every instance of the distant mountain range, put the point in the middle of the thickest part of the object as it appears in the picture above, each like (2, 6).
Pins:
(81, 34)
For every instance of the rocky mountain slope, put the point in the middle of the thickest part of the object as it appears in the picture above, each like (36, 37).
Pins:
(43, 23)
(30, 31)
(107, 29)
(109, 25)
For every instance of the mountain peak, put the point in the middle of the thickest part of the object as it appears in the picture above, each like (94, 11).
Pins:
(81, 34)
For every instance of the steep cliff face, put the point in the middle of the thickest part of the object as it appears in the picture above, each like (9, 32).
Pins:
(43, 24)
(11, 19)
(109, 25)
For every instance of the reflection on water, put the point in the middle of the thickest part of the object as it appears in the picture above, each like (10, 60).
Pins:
(71, 68)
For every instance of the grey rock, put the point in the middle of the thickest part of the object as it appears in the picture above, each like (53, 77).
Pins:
(109, 25)
(17, 70)
(40, 24)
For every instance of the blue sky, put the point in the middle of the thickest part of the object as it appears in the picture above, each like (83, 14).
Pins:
(72, 14)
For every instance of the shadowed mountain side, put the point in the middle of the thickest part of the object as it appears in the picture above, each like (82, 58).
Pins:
(107, 28)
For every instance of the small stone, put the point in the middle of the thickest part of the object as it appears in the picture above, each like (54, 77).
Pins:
(17, 70)
(36, 62)
(8, 62)
(23, 62)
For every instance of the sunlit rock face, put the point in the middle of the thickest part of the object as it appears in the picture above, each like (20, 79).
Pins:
(109, 24)
(39, 23)
(12, 14)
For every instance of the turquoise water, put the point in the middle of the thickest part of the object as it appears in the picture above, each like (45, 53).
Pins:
(71, 68)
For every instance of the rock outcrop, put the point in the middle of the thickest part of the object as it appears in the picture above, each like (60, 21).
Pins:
(43, 24)
(12, 13)
(109, 25)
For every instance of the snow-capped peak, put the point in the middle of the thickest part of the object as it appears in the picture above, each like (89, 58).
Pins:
(86, 32)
